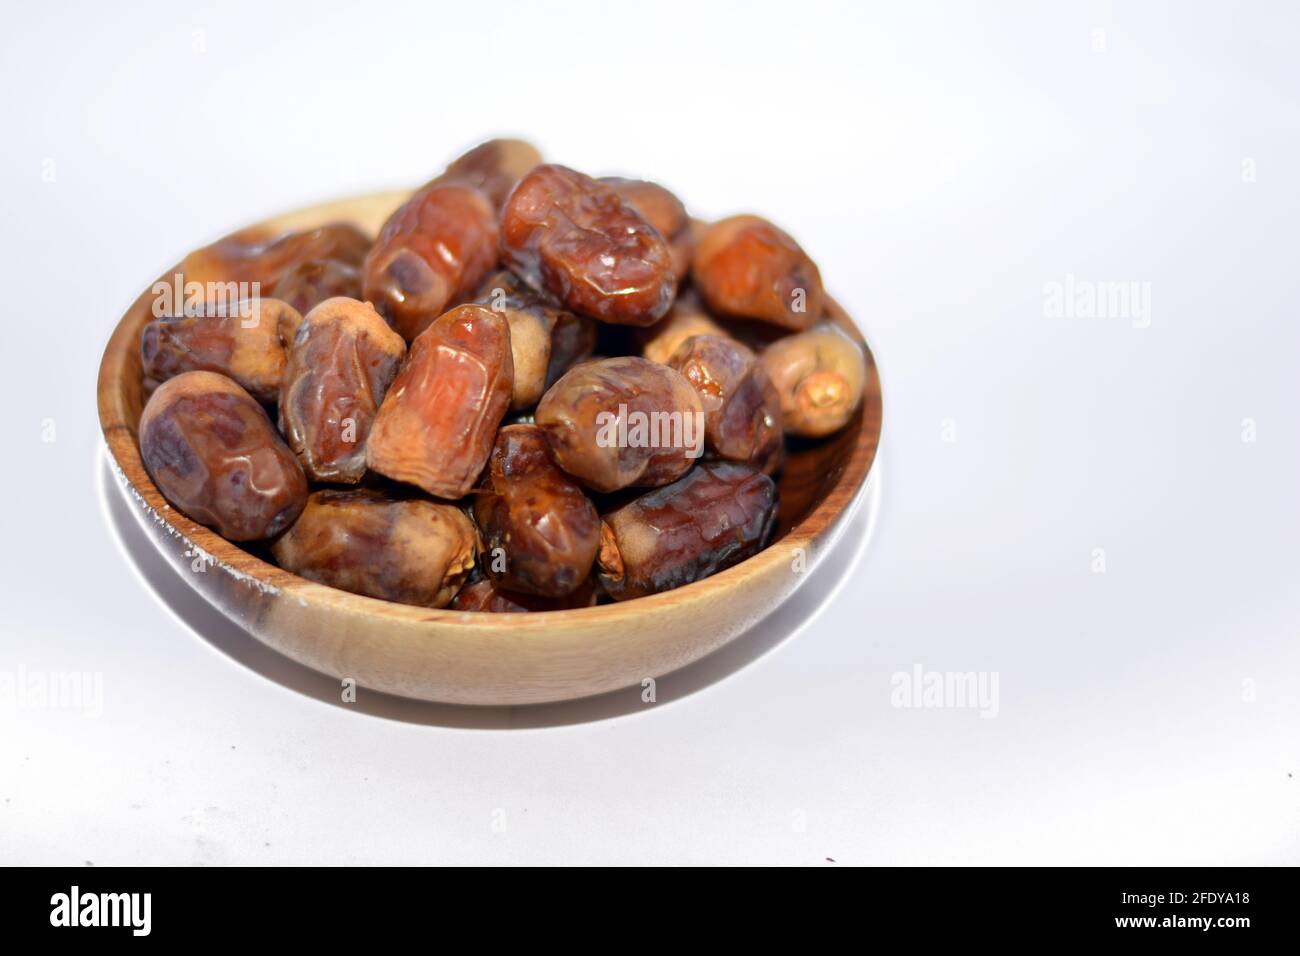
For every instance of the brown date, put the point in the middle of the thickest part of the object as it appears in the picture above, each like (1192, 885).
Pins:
(819, 377)
(544, 339)
(340, 366)
(308, 285)
(574, 237)
(493, 167)
(407, 550)
(620, 422)
(665, 212)
(480, 594)
(742, 411)
(251, 256)
(748, 268)
(436, 425)
(540, 531)
(716, 516)
(686, 318)
(212, 451)
(432, 253)
(248, 342)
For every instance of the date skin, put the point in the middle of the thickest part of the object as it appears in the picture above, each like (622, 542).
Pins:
(819, 376)
(742, 411)
(433, 252)
(214, 454)
(621, 422)
(480, 594)
(342, 361)
(251, 256)
(407, 550)
(437, 423)
(747, 268)
(716, 516)
(575, 237)
(493, 168)
(665, 212)
(540, 531)
(311, 283)
(545, 340)
(248, 343)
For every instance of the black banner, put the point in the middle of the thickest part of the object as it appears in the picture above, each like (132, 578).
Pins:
(1162, 906)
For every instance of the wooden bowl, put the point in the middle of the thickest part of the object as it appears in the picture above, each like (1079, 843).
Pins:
(480, 658)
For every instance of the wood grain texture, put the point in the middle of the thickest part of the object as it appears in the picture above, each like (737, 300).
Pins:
(478, 658)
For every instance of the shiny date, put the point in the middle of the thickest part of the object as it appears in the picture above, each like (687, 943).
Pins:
(620, 422)
(540, 531)
(576, 238)
(342, 361)
(214, 454)
(437, 423)
(717, 515)
(406, 550)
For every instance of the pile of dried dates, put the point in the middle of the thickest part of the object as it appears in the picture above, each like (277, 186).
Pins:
(534, 390)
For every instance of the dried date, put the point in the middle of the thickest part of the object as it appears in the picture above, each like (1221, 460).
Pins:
(212, 451)
(742, 411)
(665, 212)
(311, 283)
(248, 342)
(540, 531)
(251, 256)
(544, 340)
(493, 167)
(406, 550)
(433, 252)
(716, 516)
(819, 376)
(342, 361)
(686, 318)
(576, 238)
(748, 268)
(437, 423)
(621, 422)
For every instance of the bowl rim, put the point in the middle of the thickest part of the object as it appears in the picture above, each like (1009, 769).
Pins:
(809, 534)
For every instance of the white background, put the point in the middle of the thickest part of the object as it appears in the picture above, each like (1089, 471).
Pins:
(943, 163)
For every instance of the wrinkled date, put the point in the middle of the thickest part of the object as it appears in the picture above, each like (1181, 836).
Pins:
(433, 252)
(748, 268)
(493, 168)
(437, 423)
(719, 514)
(340, 366)
(249, 256)
(819, 376)
(576, 238)
(480, 594)
(247, 342)
(412, 551)
(623, 421)
(665, 212)
(544, 340)
(311, 283)
(742, 411)
(214, 454)
(540, 532)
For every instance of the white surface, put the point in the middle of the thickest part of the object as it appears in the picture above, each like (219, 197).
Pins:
(942, 164)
